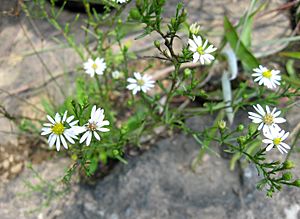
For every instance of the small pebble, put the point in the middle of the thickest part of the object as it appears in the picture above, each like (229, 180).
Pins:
(16, 168)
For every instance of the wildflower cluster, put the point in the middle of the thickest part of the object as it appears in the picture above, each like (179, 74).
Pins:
(133, 107)
(268, 119)
(63, 130)
(268, 122)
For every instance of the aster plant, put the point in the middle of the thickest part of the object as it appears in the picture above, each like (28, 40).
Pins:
(119, 101)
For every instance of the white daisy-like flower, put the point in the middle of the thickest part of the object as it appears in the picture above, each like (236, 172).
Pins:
(267, 120)
(201, 50)
(140, 83)
(195, 28)
(276, 138)
(93, 67)
(266, 77)
(116, 74)
(60, 129)
(95, 124)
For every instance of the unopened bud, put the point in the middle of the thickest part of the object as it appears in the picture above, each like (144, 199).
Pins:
(240, 127)
(187, 72)
(252, 129)
(115, 152)
(135, 14)
(297, 183)
(222, 124)
(157, 44)
(288, 164)
(242, 139)
(287, 176)
(195, 28)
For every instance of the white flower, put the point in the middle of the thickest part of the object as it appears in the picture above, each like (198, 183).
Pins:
(116, 74)
(201, 51)
(276, 138)
(269, 78)
(195, 28)
(59, 129)
(140, 83)
(92, 67)
(94, 125)
(268, 120)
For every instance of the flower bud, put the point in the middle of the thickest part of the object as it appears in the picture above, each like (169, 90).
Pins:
(221, 124)
(187, 72)
(288, 164)
(287, 176)
(135, 14)
(242, 139)
(297, 183)
(157, 44)
(115, 152)
(252, 129)
(240, 127)
(195, 28)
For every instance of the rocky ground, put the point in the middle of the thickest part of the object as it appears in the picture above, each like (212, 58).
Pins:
(157, 184)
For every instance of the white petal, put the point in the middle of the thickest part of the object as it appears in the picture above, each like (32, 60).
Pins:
(279, 120)
(57, 118)
(69, 119)
(285, 136)
(50, 119)
(270, 146)
(131, 80)
(57, 143)
(260, 126)
(202, 60)
(268, 109)
(255, 115)
(47, 124)
(89, 138)
(103, 129)
(196, 57)
(52, 139)
(97, 136)
(64, 116)
(78, 129)
(69, 138)
(85, 135)
(267, 141)
(193, 46)
(73, 123)
(261, 110)
(137, 75)
(63, 141)
(93, 111)
(285, 145)
(197, 40)
(131, 86)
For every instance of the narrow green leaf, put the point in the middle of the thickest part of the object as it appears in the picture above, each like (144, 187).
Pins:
(241, 51)
(295, 55)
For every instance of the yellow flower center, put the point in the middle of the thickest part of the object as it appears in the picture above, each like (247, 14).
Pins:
(94, 66)
(277, 141)
(268, 119)
(58, 128)
(140, 82)
(200, 50)
(267, 74)
(91, 126)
